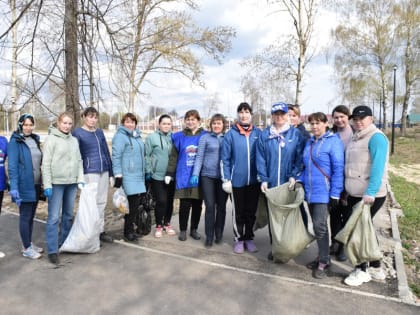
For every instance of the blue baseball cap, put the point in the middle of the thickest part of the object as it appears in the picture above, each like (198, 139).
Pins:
(279, 106)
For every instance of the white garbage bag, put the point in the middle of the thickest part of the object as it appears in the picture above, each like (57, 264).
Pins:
(84, 234)
(120, 201)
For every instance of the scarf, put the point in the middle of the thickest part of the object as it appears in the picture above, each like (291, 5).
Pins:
(279, 134)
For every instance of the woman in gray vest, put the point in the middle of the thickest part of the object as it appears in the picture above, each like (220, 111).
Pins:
(365, 179)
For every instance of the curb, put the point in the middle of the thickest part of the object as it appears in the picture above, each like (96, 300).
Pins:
(403, 289)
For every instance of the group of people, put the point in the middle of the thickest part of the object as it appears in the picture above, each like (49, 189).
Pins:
(337, 168)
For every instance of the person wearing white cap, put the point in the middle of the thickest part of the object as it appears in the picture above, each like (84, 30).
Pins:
(365, 179)
(279, 152)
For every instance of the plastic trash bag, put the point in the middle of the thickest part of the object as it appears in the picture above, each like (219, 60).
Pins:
(359, 237)
(120, 201)
(84, 234)
(261, 217)
(288, 231)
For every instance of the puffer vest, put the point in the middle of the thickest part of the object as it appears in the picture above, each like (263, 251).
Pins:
(358, 164)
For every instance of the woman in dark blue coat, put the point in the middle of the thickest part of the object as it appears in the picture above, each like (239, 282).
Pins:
(25, 158)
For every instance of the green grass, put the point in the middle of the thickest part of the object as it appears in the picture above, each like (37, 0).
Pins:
(407, 151)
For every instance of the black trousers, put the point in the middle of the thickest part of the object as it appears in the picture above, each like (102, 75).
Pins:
(134, 202)
(246, 202)
(164, 195)
(184, 212)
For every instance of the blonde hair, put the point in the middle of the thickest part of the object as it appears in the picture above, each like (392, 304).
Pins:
(65, 114)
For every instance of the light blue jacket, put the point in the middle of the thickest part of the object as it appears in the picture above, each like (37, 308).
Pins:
(128, 160)
(328, 154)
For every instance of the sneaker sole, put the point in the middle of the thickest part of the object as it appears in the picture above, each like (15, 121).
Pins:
(356, 284)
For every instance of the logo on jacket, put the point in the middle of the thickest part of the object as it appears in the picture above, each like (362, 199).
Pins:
(191, 152)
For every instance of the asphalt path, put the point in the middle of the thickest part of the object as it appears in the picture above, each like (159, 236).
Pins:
(166, 276)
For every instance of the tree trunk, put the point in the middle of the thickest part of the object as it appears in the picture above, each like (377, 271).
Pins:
(71, 56)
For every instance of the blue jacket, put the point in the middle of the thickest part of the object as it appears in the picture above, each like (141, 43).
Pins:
(207, 162)
(276, 164)
(94, 151)
(128, 160)
(328, 153)
(183, 155)
(239, 157)
(3, 157)
(21, 175)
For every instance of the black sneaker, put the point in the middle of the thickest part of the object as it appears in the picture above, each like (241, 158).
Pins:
(195, 235)
(321, 271)
(131, 237)
(270, 256)
(313, 264)
(208, 243)
(53, 258)
(182, 236)
(104, 237)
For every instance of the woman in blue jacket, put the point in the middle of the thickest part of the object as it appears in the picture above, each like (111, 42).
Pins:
(207, 172)
(239, 175)
(180, 167)
(25, 180)
(128, 163)
(279, 152)
(3, 179)
(323, 179)
(97, 165)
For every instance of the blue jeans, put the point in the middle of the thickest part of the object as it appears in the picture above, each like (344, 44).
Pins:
(63, 196)
(319, 213)
(215, 200)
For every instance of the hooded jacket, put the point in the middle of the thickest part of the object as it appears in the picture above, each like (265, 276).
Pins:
(328, 154)
(62, 161)
(21, 175)
(128, 160)
(158, 146)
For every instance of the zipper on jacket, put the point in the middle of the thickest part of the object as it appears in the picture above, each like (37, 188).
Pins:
(249, 158)
(279, 165)
(100, 153)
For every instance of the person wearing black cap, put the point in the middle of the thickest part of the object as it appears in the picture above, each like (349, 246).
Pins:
(366, 179)
(24, 168)
(239, 176)
(279, 152)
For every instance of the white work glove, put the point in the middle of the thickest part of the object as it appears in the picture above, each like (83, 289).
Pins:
(292, 183)
(369, 200)
(81, 185)
(264, 187)
(168, 179)
(227, 186)
(111, 181)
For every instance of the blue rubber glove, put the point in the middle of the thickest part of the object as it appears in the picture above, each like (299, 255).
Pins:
(48, 192)
(194, 180)
(148, 177)
(16, 197)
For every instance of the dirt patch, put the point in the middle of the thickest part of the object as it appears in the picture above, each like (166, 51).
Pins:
(411, 173)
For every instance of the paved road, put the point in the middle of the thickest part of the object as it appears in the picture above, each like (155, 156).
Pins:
(166, 276)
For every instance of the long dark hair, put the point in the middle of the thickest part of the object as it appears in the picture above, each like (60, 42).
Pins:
(343, 109)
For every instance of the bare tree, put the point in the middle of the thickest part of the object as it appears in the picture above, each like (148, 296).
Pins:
(365, 42)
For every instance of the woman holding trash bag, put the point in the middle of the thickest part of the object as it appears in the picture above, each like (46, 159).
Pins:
(322, 178)
(180, 167)
(24, 168)
(128, 164)
(207, 173)
(62, 174)
(279, 152)
(239, 176)
(97, 165)
(158, 146)
(366, 179)
(342, 127)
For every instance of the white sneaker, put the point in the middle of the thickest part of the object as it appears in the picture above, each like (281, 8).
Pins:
(377, 273)
(357, 277)
(31, 253)
(2, 255)
(158, 231)
(37, 249)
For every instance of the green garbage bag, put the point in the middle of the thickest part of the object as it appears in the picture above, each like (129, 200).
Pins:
(288, 231)
(359, 237)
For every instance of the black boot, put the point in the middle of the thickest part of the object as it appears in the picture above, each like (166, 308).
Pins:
(182, 236)
(341, 254)
(194, 234)
(53, 258)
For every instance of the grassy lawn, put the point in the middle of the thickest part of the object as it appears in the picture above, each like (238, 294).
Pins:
(407, 151)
